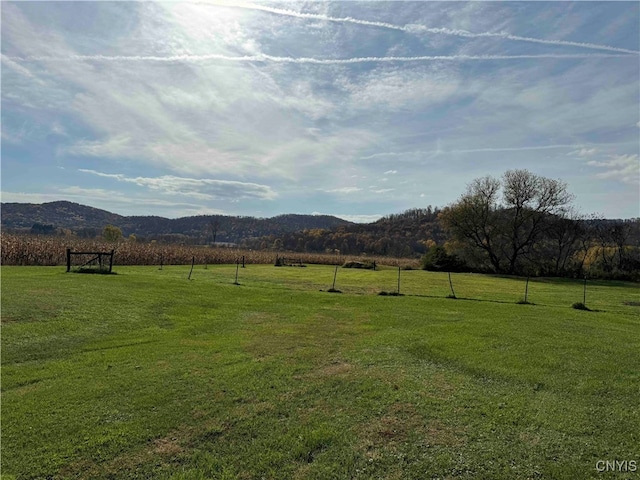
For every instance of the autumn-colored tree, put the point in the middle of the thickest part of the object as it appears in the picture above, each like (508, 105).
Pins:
(111, 233)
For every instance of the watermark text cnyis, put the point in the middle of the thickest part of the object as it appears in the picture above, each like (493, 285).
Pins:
(616, 466)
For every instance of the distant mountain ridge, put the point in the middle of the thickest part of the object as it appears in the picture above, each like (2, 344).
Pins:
(89, 221)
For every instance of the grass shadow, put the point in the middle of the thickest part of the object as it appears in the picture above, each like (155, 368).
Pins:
(93, 271)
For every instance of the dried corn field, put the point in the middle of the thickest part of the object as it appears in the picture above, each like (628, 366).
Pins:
(51, 251)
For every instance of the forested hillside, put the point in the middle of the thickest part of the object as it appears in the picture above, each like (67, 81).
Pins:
(401, 235)
(88, 222)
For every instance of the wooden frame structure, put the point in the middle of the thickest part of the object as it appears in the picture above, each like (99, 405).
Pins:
(98, 256)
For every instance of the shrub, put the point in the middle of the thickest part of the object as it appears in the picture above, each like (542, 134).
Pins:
(438, 260)
(354, 264)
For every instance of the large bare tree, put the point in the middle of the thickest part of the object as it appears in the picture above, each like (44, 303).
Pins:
(474, 218)
(506, 218)
(530, 204)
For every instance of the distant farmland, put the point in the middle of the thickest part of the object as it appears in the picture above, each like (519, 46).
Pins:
(49, 251)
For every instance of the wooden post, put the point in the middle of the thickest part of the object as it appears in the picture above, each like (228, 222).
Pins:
(526, 289)
(453, 294)
(237, 266)
(333, 287)
(111, 260)
(242, 261)
(193, 261)
(398, 280)
(68, 259)
(584, 292)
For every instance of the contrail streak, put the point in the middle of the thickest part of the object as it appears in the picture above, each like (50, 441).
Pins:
(306, 60)
(477, 150)
(415, 29)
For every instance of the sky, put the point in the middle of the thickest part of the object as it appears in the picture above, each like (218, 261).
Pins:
(353, 109)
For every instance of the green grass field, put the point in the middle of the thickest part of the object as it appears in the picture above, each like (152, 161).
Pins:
(146, 374)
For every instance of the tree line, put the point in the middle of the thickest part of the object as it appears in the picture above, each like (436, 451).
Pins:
(407, 234)
(527, 224)
(520, 224)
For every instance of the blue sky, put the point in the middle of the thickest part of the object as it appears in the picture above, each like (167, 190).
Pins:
(355, 109)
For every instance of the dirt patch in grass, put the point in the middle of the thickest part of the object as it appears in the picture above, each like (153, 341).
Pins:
(439, 433)
(78, 469)
(257, 318)
(336, 368)
(302, 472)
(167, 446)
(27, 388)
(24, 387)
(403, 423)
(160, 451)
(272, 343)
(530, 439)
(392, 427)
(439, 387)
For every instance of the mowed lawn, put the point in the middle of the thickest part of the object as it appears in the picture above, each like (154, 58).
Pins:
(146, 374)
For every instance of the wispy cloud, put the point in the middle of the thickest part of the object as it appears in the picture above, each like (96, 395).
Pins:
(127, 204)
(439, 151)
(584, 152)
(383, 190)
(344, 190)
(201, 188)
(26, 197)
(397, 89)
(115, 147)
(96, 196)
(510, 149)
(25, 72)
(623, 168)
